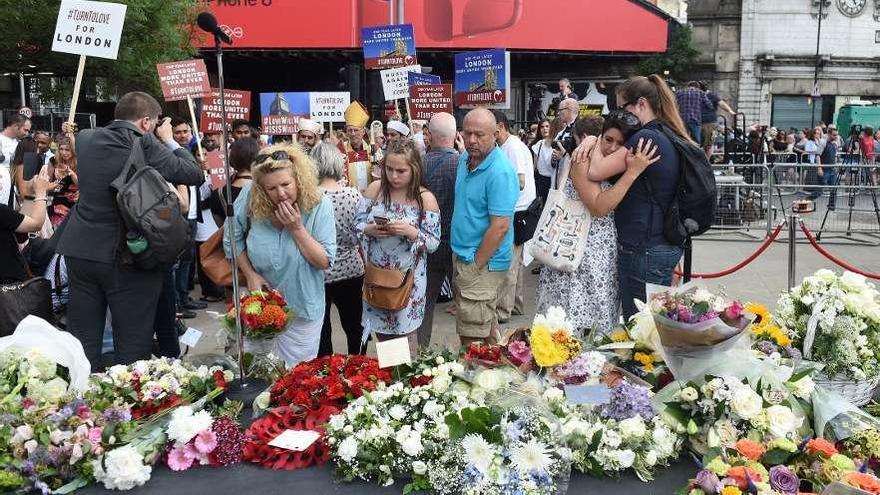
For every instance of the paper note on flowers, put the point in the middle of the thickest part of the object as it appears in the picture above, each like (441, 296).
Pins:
(393, 352)
(296, 440)
(588, 394)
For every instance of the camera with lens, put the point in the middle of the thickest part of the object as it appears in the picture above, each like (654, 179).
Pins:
(568, 143)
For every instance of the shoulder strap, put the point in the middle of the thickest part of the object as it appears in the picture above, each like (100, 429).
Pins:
(135, 161)
(562, 179)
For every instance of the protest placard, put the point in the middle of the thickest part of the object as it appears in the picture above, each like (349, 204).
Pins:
(417, 78)
(87, 28)
(387, 47)
(182, 79)
(395, 82)
(483, 78)
(217, 168)
(238, 106)
(428, 99)
(328, 106)
(284, 125)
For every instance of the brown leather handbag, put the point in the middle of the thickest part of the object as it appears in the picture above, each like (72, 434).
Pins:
(214, 262)
(388, 289)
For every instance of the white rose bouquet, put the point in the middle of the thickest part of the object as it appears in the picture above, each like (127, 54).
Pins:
(835, 320)
(719, 410)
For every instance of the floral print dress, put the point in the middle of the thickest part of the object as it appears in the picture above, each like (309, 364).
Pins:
(589, 294)
(398, 253)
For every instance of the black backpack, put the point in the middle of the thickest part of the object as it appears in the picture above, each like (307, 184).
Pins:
(692, 210)
(150, 207)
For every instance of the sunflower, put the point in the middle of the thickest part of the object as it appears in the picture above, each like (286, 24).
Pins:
(763, 316)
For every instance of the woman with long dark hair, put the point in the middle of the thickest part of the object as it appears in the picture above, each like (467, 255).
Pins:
(589, 294)
(542, 150)
(644, 254)
(399, 223)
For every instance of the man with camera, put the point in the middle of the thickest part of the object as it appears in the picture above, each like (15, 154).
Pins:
(564, 143)
(93, 241)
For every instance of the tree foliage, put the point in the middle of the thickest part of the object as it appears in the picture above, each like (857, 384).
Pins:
(678, 59)
(155, 31)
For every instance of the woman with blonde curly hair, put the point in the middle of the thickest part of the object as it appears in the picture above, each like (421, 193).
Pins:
(286, 236)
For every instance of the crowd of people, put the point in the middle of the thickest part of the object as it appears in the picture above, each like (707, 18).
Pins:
(379, 225)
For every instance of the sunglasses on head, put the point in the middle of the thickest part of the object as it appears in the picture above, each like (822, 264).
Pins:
(275, 155)
(627, 118)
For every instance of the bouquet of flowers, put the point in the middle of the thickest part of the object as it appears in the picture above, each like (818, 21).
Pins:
(768, 337)
(721, 409)
(695, 326)
(548, 343)
(264, 316)
(633, 348)
(623, 434)
(331, 380)
(396, 430)
(197, 438)
(30, 377)
(780, 467)
(835, 320)
(501, 451)
(150, 387)
(275, 422)
(51, 445)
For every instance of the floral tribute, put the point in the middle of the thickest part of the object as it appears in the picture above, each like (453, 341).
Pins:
(153, 386)
(328, 381)
(717, 411)
(275, 422)
(846, 309)
(199, 439)
(264, 314)
(696, 306)
(548, 343)
(780, 467)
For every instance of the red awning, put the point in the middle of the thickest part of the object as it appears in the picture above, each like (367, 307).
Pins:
(565, 25)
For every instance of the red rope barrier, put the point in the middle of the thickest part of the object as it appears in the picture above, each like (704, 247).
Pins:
(763, 247)
(831, 257)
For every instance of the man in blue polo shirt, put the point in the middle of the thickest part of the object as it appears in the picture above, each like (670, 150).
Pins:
(486, 190)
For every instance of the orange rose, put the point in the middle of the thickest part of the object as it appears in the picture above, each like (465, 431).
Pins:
(820, 446)
(750, 449)
(738, 474)
(864, 481)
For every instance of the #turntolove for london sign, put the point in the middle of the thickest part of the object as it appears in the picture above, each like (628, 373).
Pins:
(89, 28)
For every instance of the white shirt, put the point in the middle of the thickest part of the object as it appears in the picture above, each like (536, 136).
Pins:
(521, 158)
(206, 228)
(544, 154)
(812, 150)
(192, 212)
(7, 147)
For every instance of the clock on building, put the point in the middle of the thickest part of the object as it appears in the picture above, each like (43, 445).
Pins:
(852, 8)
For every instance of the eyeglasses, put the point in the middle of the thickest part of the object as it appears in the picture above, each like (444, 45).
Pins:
(626, 117)
(275, 155)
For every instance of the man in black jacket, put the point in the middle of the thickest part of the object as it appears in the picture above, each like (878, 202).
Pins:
(93, 240)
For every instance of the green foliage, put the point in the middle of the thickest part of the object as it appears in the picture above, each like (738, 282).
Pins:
(481, 421)
(155, 31)
(678, 59)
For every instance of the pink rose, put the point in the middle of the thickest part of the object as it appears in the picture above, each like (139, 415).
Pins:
(734, 311)
(95, 434)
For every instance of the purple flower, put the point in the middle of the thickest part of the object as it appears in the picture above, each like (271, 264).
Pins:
(628, 401)
(519, 352)
(708, 482)
(767, 347)
(117, 414)
(782, 479)
(794, 353)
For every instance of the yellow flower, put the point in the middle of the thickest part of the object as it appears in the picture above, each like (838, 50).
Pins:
(778, 335)
(545, 349)
(731, 490)
(619, 335)
(763, 316)
(645, 360)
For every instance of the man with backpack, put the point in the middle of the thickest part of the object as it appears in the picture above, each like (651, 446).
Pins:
(126, 228)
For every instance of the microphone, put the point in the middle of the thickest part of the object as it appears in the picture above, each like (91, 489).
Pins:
(208, 23)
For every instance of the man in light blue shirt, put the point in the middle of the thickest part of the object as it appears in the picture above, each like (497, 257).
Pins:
(486, 190)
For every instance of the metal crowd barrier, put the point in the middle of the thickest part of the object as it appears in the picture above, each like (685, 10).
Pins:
(743, 199)
(845, 197)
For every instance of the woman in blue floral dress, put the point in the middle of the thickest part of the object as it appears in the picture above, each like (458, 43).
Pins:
(398, 223)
